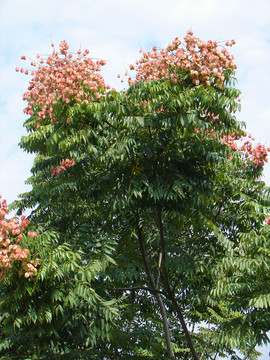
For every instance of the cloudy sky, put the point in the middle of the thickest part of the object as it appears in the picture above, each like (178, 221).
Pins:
(115, 30)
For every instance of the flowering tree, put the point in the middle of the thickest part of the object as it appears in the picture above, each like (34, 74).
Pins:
(159, 185)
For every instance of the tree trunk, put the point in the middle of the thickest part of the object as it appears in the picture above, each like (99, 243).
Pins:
(157, 295)
(167, 286)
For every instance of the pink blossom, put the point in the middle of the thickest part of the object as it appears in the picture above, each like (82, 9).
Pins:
(11, 234)
(200, 59)
(61, 78)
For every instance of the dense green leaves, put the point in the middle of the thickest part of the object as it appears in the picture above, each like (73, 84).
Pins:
(159, 247)
(55, 311)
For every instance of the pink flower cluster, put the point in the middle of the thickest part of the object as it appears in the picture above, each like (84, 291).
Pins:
(65, 164)
(257, 156)
(201, 60)
(11, 234)
(65, 77)
(267, 220)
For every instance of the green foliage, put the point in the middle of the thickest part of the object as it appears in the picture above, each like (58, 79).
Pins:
(157, 215)
(52, 313)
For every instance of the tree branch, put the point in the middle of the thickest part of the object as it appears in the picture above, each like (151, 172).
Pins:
(156, 294)
(143, 253)
(162, 251)
(108, 123)
(249, 351)
(134, 288)
(183, 323)
(159, 266)
(170, 293)
(175, 285)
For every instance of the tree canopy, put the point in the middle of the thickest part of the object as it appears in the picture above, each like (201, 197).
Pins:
(149, 214)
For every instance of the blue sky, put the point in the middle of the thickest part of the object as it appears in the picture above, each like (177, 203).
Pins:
(115, 30)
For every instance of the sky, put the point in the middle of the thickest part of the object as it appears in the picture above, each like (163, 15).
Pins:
(115, 30)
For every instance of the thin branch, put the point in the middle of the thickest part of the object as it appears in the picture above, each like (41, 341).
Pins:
(159, 266)
(202, 354)
(219, 211)
(162, 250)
(175, 285)
(205, 352)
(249, 351)
(183, 323)
(143, 253)
(134, 288)
(107, 122)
